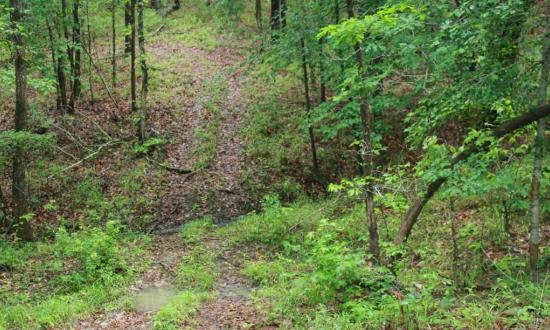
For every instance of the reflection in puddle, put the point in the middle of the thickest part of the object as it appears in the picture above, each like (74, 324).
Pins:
(153, 299)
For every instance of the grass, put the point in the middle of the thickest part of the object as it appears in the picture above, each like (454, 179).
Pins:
(208, 134)
(197, 270)
(180, 311)
(54, 283)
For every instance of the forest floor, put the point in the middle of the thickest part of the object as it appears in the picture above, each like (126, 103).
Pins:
(197, 105)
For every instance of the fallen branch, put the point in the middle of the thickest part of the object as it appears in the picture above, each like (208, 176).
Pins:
(157, 31)
(89, 156)
(102, 79)
(170, 168)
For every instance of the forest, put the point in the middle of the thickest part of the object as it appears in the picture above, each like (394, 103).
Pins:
(274, 164)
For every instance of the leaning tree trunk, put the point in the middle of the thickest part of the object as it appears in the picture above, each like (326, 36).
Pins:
(411, 217)
(534, 239)
(77, 42)
(144, 75)
(19, 184)
(367, 152)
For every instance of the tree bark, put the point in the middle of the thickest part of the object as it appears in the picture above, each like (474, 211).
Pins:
(259, 21)
(144, 75)
(19, 183)
(90, 50)
(127, 23)
(58, 101)
(411, 217)
(66, 35)
(133, 55)
(367, 152)
(113, 42)
(77, 42)
(534, 235)
(315, 161)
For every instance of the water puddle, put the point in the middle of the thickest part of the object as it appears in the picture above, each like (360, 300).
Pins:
(154, 298)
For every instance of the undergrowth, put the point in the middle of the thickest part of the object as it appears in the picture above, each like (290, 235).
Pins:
(315, 274)
(48, 284)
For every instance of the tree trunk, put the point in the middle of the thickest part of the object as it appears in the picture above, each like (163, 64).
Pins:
(133, 55)
(411, 217)
(367, 152)
(77, 42)
(144, 75)
(19, 183)
(534, 239)
(454, 239)
(66, 35)
(259, 21)
(58, 102)
(278, 17)
(113, 42)
(127, 23)
(315, 162)
(90, 50)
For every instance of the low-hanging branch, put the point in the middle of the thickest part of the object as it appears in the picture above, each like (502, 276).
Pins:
(411, 217)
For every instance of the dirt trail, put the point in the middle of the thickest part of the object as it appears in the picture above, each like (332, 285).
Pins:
(232, 308)
(187, 77)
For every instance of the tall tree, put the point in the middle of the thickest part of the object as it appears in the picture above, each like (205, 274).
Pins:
(77, 53)
(113, 41)
(19, 184)
(144, 75)
(367, 152)
(65, 23)
(90, 51)
(127, 23)
(534, 239)
(133, 55)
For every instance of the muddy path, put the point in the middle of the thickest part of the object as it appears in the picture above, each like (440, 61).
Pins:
(229, 308)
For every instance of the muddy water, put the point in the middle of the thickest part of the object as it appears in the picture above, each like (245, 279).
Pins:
(154, 298)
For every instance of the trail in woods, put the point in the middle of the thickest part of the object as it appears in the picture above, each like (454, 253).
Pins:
(197, 88)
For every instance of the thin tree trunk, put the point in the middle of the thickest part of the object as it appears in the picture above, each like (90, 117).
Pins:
(534, 239)
(127, 23)
(19, 183)
(454, 239)
(315, 161)
(58, 103)
(113, 35)
(67, 39)
(411, 217)
(133, 55)
(3, 212)
(90, 50)
(368, 160)
(77, 42)
(144, 75)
